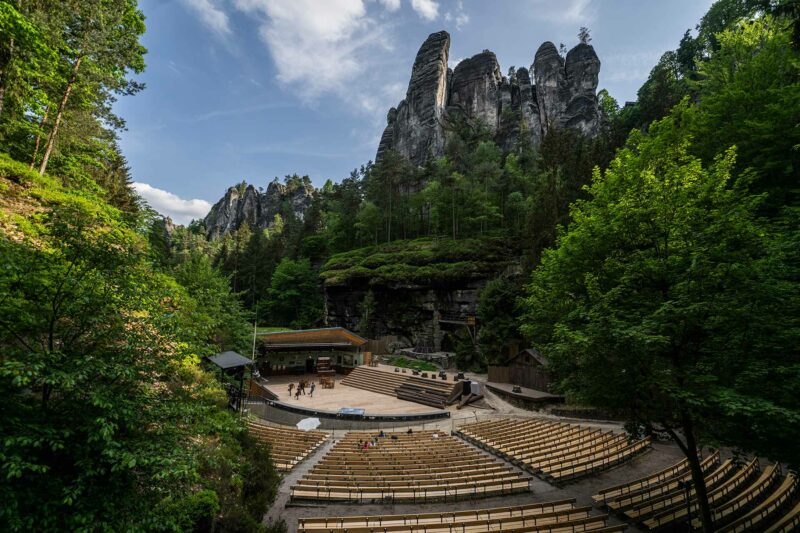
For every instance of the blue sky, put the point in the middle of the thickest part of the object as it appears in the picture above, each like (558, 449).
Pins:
(253, 89)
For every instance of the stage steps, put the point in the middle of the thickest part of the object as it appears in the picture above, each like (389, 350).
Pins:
(428, 391)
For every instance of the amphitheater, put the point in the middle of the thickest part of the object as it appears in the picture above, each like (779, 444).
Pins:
(397, 452)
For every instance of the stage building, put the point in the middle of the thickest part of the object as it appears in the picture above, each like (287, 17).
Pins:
(297, 351)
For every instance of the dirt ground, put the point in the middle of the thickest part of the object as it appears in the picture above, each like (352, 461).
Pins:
(660, 456)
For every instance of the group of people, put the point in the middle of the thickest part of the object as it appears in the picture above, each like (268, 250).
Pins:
(373, 442)
(301, 389)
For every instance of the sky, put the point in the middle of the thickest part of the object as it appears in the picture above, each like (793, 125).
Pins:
(257, 89)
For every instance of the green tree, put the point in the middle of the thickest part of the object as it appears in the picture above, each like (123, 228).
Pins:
(749, 98)
(220, 318)
(669, 301)
(107, 420)
(99, 44)
(368, 223)
(498, 317)
(25, 58)
(294, 295)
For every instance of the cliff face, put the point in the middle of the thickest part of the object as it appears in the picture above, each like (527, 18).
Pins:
(413, 127)
(258, 209)
(419, 290)
(562, 94)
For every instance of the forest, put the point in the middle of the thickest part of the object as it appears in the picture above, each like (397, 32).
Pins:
(656, 265)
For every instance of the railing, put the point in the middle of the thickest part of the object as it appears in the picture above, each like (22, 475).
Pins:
(332, 414)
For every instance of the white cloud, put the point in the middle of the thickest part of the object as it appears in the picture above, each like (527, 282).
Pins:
(563, 11)
(457, 16)
(211, 15)
(391, 5)
(168, 204)
(323, 47)
(427, 9)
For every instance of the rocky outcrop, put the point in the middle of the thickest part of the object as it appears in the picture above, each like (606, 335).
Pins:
(244, 204)
(556, 92)
(414, 128)
(475, 90)
(409, 312)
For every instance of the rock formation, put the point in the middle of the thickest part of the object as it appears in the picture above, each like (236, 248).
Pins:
(562, 95)
(244, 204)
(414, 127)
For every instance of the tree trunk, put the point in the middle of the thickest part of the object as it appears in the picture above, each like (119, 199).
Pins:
(689, 448)
(51, 139)
(701, 492)
(42, 124)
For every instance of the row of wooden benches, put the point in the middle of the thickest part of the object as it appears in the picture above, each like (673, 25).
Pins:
(288, 446)
(558, 516)
(401, 467)
(556, 451)
(743, 497)
(404, 386)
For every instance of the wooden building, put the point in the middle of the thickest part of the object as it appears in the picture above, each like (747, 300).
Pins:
(527, 369)
(297, 351)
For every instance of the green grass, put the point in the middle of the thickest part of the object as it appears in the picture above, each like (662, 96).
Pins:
(424, 261)
(270, 329)
(404, 362)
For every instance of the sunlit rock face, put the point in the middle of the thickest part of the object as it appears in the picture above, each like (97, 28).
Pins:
(414, 127)
(247, 205)
(556, 91)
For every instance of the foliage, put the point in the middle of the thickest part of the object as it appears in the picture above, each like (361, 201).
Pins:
(294, 298)
(498, 317)
(431, 261)
(749, 98)
(62, 66)
(107, 420)
(669, 300)
(416, 364)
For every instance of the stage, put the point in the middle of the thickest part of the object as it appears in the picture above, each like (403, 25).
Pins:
(342, 396)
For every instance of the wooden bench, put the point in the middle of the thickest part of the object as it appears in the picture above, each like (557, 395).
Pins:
(757, 518)
(752, 493)
(677, 497)
(789, 522)
(531, 509)
(669, 486)
(561, 516)
(287, 446)
(557, 451)
(416, 467)
(715, 497)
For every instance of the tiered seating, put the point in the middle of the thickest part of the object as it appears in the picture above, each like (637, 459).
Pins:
(404, 386)
(677, 507)
(659, 500)
(374, 380)
(288, 446)
(766, 511)
(656, 489)
(557, 451)
(789, 522)
(551, 516)
(434, 394)
(423, 466)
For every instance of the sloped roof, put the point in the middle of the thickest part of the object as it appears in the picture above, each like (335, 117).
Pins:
(226, 360)
(533, 352)
(320, 336)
